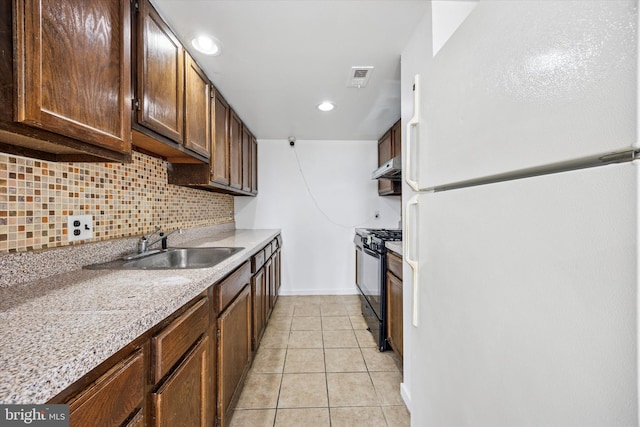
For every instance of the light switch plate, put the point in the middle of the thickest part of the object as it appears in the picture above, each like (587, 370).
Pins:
(79, 227)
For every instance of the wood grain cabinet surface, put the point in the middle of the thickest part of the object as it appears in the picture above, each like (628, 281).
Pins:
(160, 76)
(258, 299)
(172, 99)
(65, 93)
(390, 146)
(246, 159)
(197, 102)
(234, 351)
(254, 165)
(114, 397)
(184, 398)
(219, 161)
(235, 151)
(169, 345)
(394, 303)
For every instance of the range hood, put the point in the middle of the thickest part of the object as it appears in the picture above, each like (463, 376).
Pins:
(391, 169)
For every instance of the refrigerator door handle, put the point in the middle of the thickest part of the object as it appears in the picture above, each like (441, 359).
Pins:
(413, 122)
(410, 241)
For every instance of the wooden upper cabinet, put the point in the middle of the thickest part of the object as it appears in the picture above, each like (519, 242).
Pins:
(71, 69)
(160, 76)
(385, 148)
(390, 146)
(220, 145)
(385, 153)
(396, 140)
(254, 165)
(235, 151)
(246, 159)
(197, 132)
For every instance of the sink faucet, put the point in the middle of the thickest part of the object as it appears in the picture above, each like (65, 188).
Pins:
(143, 242)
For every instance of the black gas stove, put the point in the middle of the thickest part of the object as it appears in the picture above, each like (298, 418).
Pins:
(374, 238)
(371, 268)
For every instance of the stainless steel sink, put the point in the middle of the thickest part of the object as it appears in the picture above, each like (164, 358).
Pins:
(172, 258)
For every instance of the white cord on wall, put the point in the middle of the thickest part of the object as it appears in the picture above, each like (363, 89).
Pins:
(315, 202)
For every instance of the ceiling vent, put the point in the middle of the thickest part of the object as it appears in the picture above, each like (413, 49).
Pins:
(359, 76)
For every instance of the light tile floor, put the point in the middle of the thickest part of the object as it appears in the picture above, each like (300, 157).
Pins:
(317, 365)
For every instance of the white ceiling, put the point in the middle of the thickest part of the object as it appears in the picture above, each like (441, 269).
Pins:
(281, 58)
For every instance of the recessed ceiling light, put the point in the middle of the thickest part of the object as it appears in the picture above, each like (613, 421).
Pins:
(326, 106)
(207, 45)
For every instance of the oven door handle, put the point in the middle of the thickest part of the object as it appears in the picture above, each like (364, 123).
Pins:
(370, 252)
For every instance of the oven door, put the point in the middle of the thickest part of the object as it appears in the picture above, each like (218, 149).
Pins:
(371, 286)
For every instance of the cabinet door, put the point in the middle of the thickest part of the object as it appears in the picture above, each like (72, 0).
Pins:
(235, 151)
(246, 159)
(394, 313)
(73, 69)
(234, 349)
(271, 285)
(184, 398)
(278, 274)
(385, 152)
(220, 150)
(170, 344)
(160, 76)
(254, 165)
(114, 397)
(396, 139)
(258, 294)
(197, 131)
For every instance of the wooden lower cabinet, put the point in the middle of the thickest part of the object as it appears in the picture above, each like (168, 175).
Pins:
(113, 398)
(258, 297)
(234, 351)
(394, 303)
(268, 274)
(189, 369)
(137, 420)
(184, 397)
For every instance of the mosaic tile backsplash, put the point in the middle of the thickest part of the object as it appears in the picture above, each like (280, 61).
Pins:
(36, 197)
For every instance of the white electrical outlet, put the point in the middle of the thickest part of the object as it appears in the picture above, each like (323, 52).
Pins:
(79, 227)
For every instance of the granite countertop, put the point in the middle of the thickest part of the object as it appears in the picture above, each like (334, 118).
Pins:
(55, 330)
(396, 247)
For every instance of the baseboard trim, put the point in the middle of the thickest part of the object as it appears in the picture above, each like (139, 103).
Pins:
(406, 396)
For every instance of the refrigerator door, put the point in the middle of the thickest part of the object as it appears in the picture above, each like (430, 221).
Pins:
(528, 294)
(497, 99)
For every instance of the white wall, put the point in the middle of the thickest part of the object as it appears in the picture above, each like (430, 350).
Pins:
(317, 218)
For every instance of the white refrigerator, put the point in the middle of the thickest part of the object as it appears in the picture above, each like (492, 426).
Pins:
(523, 235)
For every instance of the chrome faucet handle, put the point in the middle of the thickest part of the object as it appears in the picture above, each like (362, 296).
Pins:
(143, 241)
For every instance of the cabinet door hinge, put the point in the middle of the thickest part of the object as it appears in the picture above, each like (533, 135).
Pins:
(136, 5)
(218, 333)
(217, 421)
(135, 104)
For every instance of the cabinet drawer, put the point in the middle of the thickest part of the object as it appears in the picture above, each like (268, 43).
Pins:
(394, 265)
(268, 250)
(173, 342)
(184, 398)
(257, 261)
(113, 397)
(231, 286)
